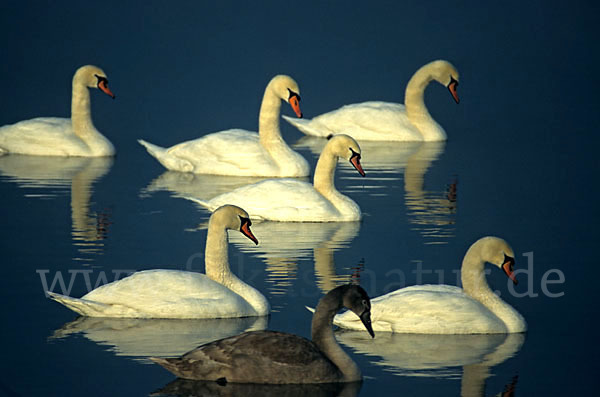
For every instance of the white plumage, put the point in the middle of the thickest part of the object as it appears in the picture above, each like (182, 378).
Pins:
(444, 309)
(241, 152)
(291, 200)
(383, 121)
(180, 294)
(54, 136)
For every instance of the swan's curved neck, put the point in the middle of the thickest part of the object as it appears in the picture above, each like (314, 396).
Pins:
(81, 120)
(216, 259)
(81, 116)
(475, 284)
(322, 336)
(270, 135)
(268, 119)
(324, 182)
(415, 106)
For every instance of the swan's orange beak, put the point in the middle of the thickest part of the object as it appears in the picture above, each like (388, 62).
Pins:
(507, 266)
(103, 86)
(452, 87)
(295, 104)
(245, 229)
(355, 161)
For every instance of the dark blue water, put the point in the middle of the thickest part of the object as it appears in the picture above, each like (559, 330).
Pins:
(520, 153)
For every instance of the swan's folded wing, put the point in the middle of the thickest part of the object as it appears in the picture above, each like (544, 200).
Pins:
(369, 120)
(259, 357)
(280, 199)
(49, 133)
(172, 294)
(232, 150)
(428, 309)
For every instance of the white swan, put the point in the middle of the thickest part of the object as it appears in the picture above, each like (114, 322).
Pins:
(280, 358)
(241, 152)
(384, 121)
(291, 200)
(54, 136)
(444, 309)
(179, 294)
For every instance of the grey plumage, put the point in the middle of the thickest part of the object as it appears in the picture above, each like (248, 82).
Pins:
(276, 357)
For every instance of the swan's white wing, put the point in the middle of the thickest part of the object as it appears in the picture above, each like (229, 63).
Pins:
(367, 121)
(169, 294)
(279, 200)
(427, 309)
(40, 136)
(232, 151)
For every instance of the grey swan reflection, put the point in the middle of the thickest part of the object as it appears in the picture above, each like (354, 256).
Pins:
(192, 388)
(279, 358)
(470, 358)
(55, 175)
(140, 338)
(431, 212)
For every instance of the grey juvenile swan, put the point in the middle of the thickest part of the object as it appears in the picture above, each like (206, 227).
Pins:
(280, 358)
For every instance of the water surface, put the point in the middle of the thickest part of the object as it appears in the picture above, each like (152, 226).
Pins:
(519, 164)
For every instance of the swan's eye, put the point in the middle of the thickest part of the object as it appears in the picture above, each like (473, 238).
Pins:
(354, 154)
(102, 80)
(245, 221)
(293, 95)
(453, 81)
(510, 260)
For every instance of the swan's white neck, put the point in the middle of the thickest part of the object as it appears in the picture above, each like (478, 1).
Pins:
(324, 183)
(270, 136)
(81, 120)
(475, 284)
(417, 111)
(217, 268)
(322, 336)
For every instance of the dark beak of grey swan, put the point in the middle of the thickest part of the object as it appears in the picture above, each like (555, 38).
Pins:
(366, 320)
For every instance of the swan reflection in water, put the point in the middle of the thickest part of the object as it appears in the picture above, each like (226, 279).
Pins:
(186, 387)
(200, 186)
(58, 176)
(140, 338)
(466, 357)
(430, 212)
(284, 244)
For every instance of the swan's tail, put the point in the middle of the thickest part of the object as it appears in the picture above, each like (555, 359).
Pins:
(307, 126)
(80, 306)
(310, 309)
(203, 203)
(168, 160)
(170, 364)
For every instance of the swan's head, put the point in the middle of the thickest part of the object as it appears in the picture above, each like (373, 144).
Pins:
(355, 298)
(497, 251)
(346, 147)
(444, 73)
(287, 89)
(93, 77)
(232, 217)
